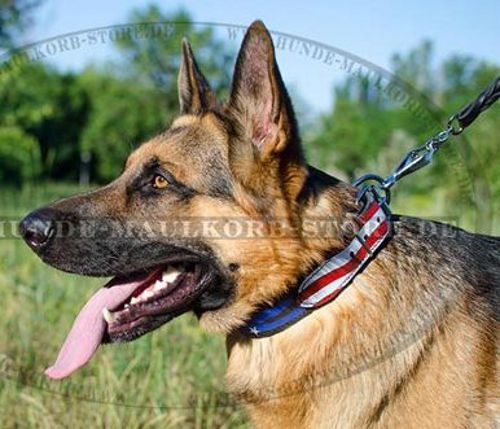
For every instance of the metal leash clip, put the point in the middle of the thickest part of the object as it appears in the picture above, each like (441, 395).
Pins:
(380, 188)
(413, 161)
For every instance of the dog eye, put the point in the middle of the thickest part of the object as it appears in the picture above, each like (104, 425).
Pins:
(159, 182)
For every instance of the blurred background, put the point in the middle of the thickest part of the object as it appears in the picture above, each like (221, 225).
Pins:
(83, 83)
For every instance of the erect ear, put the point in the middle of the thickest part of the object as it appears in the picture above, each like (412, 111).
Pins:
(195, 94)
(259, 100)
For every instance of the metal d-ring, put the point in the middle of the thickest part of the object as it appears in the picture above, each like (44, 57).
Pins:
(380, 188)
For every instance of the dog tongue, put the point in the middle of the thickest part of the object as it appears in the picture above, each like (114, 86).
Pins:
(89, 327)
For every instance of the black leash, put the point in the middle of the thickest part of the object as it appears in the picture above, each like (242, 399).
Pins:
(422, 155)
(469, 113)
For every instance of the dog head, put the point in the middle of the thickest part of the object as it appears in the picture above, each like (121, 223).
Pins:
(207, 216)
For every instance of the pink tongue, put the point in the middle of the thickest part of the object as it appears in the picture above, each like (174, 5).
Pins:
(89, 327)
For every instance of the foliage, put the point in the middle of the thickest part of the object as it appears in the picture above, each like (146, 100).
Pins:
(154, 58)
(15, 15)
(19, 156)
(351, 130)
(365, 132)
(50, 107)
(121, 115)
(104, 111)
(136, 97)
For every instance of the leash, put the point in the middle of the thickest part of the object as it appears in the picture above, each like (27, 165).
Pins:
(328, 280)
(422, 155)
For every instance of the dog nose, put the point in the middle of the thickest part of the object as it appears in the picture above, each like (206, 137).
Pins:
(38, 228)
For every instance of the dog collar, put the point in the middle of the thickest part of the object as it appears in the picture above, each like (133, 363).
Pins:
(328, 280)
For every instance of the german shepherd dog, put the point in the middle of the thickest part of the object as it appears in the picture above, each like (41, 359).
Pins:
(411, 343)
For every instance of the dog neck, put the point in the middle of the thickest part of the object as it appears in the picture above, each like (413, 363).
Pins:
(330, 278)
(331, 339)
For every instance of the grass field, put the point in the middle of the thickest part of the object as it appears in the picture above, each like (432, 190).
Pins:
(171, 378)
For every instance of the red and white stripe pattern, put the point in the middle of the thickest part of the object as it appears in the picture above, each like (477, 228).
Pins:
(329, 279)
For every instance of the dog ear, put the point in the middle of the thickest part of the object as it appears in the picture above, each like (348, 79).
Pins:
(195, 94)
(259, 99)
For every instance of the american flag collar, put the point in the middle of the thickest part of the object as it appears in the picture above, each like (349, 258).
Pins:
(328, 280)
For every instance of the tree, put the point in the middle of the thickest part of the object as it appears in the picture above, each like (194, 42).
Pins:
(364, 134)
(122, 114)
(415, 68)
(19, 156)
(153, 55)
(15, 15)
(49, 106)
(136, 97)
(352, 132)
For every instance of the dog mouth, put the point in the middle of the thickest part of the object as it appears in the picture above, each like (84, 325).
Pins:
(165, 292)
(130, 306)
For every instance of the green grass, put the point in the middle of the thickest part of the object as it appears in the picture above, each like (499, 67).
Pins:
(171, 378)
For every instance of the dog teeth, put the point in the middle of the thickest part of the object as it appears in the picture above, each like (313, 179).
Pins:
(108, 315)
(142, 297)
(160, 284)
(170, 275)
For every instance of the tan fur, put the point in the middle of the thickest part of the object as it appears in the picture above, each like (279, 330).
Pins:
(361, 361)
(335, 368)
